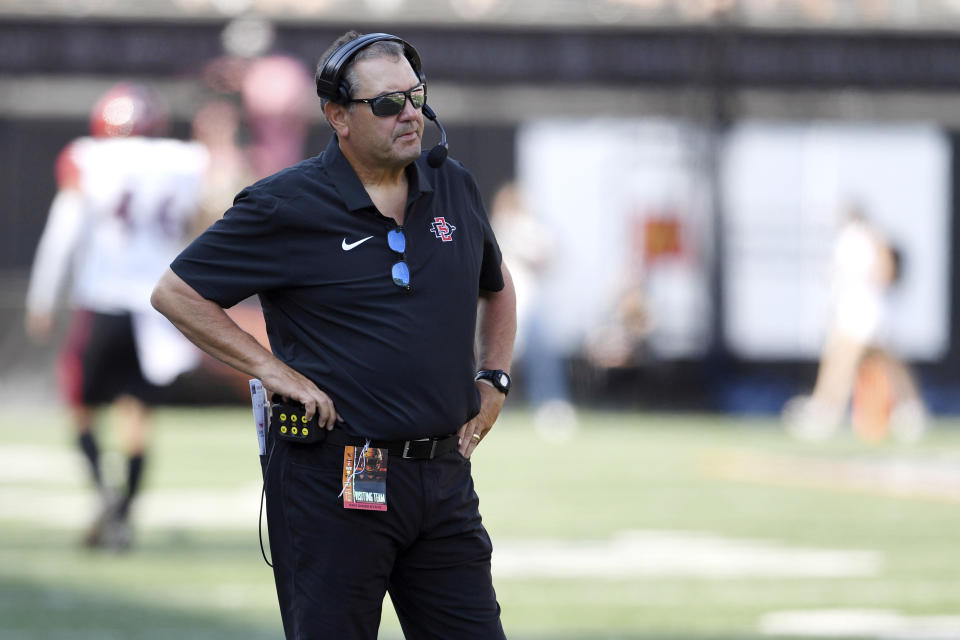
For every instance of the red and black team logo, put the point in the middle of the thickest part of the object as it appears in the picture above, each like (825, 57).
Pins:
(442, 229)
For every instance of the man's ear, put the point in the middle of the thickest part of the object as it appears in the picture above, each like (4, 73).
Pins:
(337, 117)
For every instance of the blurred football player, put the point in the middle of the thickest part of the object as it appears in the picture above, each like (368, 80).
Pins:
(125, 197)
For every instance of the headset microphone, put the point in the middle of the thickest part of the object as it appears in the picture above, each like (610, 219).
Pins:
(438, 154)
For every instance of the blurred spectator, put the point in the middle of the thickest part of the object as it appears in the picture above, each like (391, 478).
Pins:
(216, 126)
(528, 246)
(855, 362)
(276, 93)
(620, 340)
(125, 197)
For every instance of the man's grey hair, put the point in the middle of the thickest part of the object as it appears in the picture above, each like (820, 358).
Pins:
(382, 49)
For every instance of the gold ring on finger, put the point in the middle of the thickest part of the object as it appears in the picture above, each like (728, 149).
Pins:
(476, 436)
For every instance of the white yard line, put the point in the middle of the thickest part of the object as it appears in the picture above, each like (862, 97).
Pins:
(40, 465)
(881, 624)
(42, 485)
(630, 554)
(192, 508)
(677, 554)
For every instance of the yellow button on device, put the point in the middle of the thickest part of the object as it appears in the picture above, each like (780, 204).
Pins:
(283, 417)
(293, 431)
(283, 428)
(306, 431)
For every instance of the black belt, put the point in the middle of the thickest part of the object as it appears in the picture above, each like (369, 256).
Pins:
(422, 449)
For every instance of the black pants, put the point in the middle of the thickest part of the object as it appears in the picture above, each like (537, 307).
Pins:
(333, 565)
(100, 361)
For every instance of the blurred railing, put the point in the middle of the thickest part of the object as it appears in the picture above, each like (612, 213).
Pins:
(762, 14)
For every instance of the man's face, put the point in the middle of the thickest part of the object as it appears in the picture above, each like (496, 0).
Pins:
(390, 141)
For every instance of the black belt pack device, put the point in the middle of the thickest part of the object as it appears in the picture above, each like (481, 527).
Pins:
(288, 421)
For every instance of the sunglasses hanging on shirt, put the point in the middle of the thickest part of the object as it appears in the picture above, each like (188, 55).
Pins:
(400, 271)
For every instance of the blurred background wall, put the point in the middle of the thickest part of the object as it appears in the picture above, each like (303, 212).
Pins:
(685, 162)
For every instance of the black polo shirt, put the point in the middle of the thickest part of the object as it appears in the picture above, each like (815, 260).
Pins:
(398, 364)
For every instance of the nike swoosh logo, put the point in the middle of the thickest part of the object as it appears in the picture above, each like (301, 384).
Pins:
(347, 246)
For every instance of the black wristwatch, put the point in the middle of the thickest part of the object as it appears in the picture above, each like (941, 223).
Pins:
(499, 378)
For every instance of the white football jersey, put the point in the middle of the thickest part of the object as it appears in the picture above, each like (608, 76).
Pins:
(119, 220)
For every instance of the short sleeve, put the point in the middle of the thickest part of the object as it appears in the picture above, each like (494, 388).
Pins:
(491, 276)
(239, 255)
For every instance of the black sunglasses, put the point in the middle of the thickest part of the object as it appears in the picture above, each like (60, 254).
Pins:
(400, 271)
(390, 104)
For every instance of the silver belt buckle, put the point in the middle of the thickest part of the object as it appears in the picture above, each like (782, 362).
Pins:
(406, 448)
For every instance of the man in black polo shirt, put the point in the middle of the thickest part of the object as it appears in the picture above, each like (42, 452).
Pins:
(369, 262)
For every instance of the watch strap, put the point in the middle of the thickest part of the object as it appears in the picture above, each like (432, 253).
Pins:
(499, 378)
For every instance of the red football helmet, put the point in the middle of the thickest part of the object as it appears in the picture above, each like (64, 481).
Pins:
(129, 110)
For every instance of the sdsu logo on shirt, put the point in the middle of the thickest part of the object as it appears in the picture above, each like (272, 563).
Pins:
(442, 229)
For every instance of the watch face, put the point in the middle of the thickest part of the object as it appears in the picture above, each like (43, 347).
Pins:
(504, 380)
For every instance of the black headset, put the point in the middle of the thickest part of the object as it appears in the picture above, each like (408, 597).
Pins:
(333, 87)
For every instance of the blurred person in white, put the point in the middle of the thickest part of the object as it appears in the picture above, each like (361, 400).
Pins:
(528, 245)
(125, 197)
(855, 363)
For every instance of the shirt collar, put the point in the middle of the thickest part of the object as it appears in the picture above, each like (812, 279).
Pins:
(348, 185)
(418, 178)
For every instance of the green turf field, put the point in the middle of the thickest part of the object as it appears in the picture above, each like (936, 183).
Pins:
(643, 526)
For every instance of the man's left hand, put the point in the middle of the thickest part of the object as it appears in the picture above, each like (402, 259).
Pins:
(491, 401)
